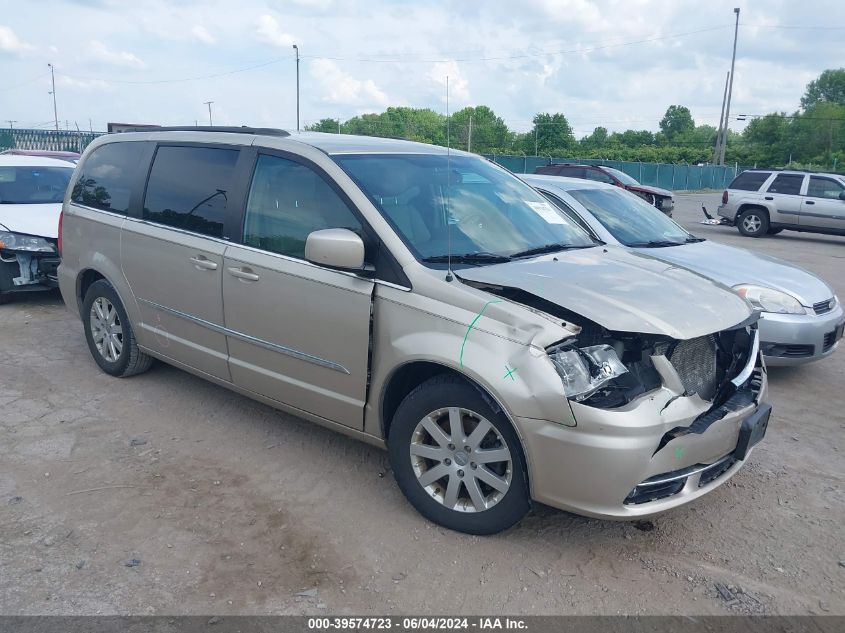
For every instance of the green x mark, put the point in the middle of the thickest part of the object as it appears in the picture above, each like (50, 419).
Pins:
(679, 453)
(510, 373)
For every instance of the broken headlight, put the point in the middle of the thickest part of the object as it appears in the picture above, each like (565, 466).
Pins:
(770, 300)
(29, 243)
(583, 370)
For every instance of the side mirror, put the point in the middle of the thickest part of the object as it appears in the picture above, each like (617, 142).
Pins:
(335, 248)
(842, 195)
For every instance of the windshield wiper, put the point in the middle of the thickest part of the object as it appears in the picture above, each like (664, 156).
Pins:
(468, 258)
(653, 244)
(551, 248)
(691, 239)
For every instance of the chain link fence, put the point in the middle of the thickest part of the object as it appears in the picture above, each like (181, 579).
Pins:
(665, 175)
(60, 141)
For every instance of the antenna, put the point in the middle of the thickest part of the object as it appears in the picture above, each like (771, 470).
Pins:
(449, 276)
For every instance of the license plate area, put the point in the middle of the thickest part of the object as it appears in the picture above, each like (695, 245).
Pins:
(753, 430)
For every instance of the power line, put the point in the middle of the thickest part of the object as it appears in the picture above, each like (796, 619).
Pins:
(25, 83)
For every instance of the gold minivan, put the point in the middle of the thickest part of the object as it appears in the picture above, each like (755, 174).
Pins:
(421, 299)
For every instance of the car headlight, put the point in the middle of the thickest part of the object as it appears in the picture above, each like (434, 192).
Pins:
(17, 242)
(584, 370)
(770, 300)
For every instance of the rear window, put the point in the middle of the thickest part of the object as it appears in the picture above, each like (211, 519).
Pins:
(787, 183)
(189, 186)
(749, 180)
(33, 185)
(108, 175)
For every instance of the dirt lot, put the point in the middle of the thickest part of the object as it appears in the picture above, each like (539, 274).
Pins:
(164, 494)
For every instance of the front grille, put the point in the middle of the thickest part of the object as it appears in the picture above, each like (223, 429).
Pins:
(787, 351)
(695, 362)
(829, 340)
(716, 470)
(671, 483)
(823, 307)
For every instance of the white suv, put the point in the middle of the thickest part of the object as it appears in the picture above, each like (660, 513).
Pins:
(765, 202)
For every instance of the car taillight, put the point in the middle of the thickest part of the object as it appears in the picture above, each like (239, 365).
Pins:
(61, 215)
(725, 196)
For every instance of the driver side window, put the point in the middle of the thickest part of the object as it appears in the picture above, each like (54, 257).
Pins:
(287, 201)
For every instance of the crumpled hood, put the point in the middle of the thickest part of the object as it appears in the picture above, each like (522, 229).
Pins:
(649, 189)
(622, 290)
(732, 266)
(32, 219)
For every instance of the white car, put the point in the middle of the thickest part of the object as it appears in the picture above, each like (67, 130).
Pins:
(31, 193)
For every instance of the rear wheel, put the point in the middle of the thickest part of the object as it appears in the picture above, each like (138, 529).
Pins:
(753, 222)
(456, 459)
(110, 337)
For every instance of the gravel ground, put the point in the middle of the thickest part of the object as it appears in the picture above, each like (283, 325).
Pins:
(164, 494)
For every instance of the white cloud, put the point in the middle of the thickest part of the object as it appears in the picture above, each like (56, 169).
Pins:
(201, 34)
(340, 88)
(458, 84)
(102, 53)
(268, 30)
(10, 43)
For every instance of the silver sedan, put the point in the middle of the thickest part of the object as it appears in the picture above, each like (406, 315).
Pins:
(802, 320)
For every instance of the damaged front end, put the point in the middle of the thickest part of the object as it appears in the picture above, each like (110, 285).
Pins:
(27, 263)
(659, 420)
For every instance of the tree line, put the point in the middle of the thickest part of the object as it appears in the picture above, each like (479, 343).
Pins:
(813, 136)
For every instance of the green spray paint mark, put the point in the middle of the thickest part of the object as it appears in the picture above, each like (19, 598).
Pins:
(471, 325)
(679, 453)
(510, 373)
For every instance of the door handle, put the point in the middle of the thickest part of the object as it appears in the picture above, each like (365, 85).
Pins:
(203, 263)
(243, 273)
(809, 202)
(769, 198)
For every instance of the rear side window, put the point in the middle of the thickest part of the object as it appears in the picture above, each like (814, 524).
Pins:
(599, 176)
(189, 187)
(548, 170)
(572, 172)
(287, 201)
(749, 181)
(787, 183)
(824, 188)
(108, 175)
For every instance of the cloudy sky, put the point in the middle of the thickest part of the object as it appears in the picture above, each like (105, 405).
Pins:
(615, 63)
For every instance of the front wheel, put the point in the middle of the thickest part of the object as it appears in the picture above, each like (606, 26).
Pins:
(753, 223)
(457, 460)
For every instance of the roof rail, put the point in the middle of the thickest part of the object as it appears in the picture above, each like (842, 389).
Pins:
(244, 129)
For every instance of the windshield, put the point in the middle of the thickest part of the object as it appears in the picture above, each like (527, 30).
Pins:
(492, 214)
(621, 176)
(630, 219)
(33, 185)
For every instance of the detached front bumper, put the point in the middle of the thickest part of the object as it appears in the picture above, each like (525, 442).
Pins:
(613, 463)
(795, 339)
(26, 272)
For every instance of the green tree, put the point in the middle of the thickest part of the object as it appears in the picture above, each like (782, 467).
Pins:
(489, 132)
(596, 140)
(676, 121)
(324, 125)
(551, 134)
(830, 87)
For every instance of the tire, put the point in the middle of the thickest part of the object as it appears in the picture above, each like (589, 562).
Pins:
(753, 222)
(417, 455)
(772, 231)
(103, 310)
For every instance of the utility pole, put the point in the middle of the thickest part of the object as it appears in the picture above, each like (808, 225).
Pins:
(469, 136)
(296, 48)
(208, 103)
(535, 141)
(718, 150)
(12, 123)
(338, 126)
(53, 92)
(730, 92)
(90, 126)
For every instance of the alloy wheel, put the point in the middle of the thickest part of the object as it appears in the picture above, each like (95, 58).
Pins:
(751, 223)
(106, 329)
(461, 459)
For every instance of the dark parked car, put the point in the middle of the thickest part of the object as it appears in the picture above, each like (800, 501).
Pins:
(660, 198)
